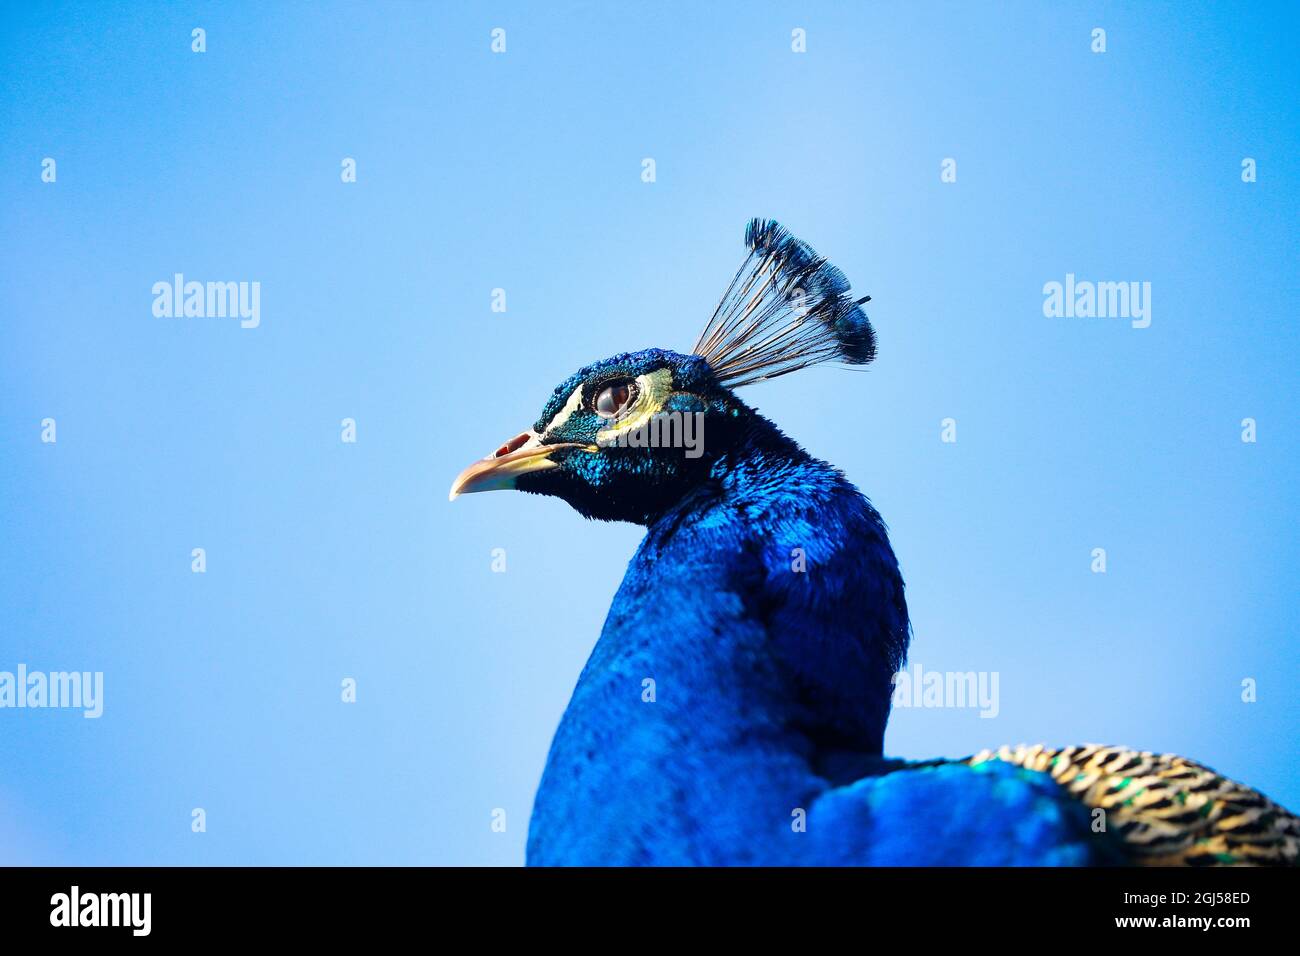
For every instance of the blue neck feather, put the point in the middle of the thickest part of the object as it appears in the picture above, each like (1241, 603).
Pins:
(744, 665)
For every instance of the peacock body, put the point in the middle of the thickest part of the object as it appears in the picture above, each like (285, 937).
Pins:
(734, 708)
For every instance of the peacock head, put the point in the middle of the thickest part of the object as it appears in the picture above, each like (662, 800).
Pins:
(627, 437)
(620, 439)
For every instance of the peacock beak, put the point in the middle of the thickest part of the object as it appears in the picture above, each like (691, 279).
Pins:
(521, 455)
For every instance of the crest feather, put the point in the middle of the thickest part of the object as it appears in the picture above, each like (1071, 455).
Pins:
(787, 308)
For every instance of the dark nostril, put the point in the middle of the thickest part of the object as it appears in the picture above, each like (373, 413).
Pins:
(513, 444)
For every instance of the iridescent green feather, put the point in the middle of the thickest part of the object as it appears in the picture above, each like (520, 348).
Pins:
(1167, 809)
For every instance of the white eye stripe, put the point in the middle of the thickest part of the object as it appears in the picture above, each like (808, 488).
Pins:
(562, 416)
(652, 391)
(649, 395)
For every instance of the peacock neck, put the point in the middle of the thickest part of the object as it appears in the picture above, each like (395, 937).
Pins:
(745, 662)
(808, 559)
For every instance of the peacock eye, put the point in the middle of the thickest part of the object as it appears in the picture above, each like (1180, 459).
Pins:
(612, 400)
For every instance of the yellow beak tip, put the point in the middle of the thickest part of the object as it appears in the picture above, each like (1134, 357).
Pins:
(499, 471)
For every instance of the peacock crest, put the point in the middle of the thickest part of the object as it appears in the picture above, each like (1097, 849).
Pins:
(787, 308)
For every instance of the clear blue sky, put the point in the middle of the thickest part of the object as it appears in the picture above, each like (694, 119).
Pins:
(522, 171)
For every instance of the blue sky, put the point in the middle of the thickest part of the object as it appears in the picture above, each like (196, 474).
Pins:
(522, 171)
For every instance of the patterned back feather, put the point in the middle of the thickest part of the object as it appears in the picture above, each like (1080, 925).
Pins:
(787, 308)
(1167, 809)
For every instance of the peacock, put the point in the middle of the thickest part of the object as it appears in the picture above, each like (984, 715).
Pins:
(733, 709)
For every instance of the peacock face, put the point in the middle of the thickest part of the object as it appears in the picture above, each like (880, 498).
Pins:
(619, 440)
